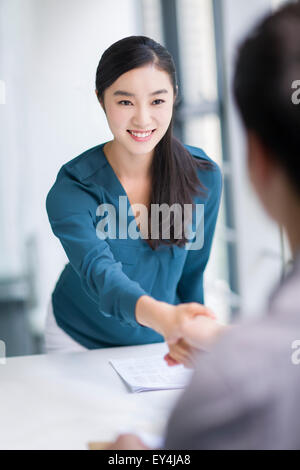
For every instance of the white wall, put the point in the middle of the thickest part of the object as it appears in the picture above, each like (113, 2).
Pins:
(49, 51)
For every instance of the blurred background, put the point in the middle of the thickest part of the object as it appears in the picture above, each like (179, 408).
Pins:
(49, 52)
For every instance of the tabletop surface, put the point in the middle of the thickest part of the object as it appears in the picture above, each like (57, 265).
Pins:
(64, 401)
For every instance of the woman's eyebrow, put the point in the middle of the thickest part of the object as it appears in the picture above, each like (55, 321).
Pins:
(125, 93)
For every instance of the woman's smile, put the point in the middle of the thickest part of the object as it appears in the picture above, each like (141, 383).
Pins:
(139, 136)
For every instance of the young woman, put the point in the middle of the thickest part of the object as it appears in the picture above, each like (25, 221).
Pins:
(125, 286)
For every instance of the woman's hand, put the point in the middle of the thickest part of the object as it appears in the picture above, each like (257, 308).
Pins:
(171, 321)
(181, 322)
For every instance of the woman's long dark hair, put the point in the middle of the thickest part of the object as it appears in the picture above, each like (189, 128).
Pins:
(267, 65)
(174, 169)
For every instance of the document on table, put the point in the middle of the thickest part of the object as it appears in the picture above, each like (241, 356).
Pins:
(151, 373)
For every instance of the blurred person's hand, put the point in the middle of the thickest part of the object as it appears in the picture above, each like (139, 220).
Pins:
(180, 353)
(127, 442)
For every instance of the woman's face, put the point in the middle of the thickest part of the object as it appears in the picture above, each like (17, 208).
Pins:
(141, 102)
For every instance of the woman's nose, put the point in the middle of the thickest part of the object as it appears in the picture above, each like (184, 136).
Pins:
(142, 118)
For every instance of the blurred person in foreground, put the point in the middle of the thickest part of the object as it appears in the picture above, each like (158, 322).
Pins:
(244, 392)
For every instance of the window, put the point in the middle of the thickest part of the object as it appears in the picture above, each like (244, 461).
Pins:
(187, 29)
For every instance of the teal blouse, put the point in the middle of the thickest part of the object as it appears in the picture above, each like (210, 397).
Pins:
(95, 296)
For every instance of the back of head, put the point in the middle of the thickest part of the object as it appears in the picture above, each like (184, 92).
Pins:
(266, 75)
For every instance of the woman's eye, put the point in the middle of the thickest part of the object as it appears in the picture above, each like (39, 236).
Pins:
(124, 101)
(127, 103)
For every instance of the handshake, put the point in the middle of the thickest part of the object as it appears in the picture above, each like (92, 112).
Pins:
(187, 328)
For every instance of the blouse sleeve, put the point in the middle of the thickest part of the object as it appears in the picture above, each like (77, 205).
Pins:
(70, 207)
(190, 286)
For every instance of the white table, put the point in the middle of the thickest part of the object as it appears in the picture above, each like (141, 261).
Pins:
(63, 401)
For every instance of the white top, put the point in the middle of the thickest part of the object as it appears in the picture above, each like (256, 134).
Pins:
(64, 401)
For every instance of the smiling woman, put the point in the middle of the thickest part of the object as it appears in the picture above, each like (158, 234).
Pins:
(100, 300)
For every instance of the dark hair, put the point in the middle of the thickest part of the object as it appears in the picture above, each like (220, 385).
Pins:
(174, 169)
(268, 63)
